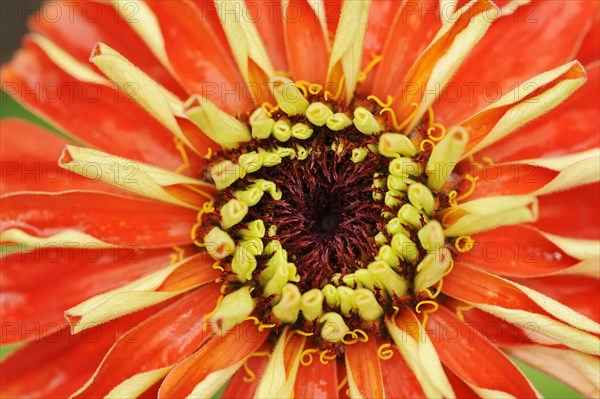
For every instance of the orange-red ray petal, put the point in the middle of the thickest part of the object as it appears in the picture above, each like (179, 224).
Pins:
(571, 127)
(76, 27)
(110, 218)
(306, 45)
(97, 114)
(399, 380)
(316, 379)
(29, 153)
(220, 352)
(202, 63)
(510, 179)
(416, 23)
(363, 366)
(590, 47)
(462, 390)
(56, 365)
(37, 287)
(160, 341)
(269, 22)
(572, 213)
(577, 292)
(473, 358)
(518, 251)
(516, 45)
(244, 382)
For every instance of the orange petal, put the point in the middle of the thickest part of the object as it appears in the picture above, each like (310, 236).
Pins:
(364, 370)
(196, 374)
(398, 379)
(244, 382)
(316, 378)
(150, 346)
(107, 217)
(474, 359)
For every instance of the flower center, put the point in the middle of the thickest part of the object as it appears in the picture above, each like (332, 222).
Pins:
(326, 219)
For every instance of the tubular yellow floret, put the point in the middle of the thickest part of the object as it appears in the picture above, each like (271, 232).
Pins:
(250, 196)
(331, 297)
(254, 229)
(432, 236)
(280, 278)
(232, 213)
(393, 283)
(345, 295)
(249, 163)
(359, 154)
(233, 309)
(269, 158)
(432, 268)
(386, 254)
(218, 244)
(288, 308)
(421, 197)
(404, 167)
(338, 121)
(365, 302)
(289, 98)
(261, 123)
(301, 131)
(405, 248)
(395, 226)
(318, 113)
(395, 144)
(224, 174)
(311, 304)
(408, 214)
(333, 327)
(365, 122)
(243, 264)
(282, 130)
(445, 155)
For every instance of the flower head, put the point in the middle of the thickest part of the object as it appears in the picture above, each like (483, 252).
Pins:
(303, 202)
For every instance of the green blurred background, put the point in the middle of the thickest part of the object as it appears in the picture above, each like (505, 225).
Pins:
(12, 30)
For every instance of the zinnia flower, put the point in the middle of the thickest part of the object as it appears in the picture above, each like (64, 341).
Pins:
(304, 198)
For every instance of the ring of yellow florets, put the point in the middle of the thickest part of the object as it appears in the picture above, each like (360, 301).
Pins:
(407, 247)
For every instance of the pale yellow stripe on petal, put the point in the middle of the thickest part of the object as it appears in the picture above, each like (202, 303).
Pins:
(352, 386)
(577, 248)
(580, 173)
(67, 62)
(154, 98)
(588, 267)
(218, 125)
(447, 9)
(243, 37)
(488, 213)
(578, 370)
(422, 358)
(572, 337)
(22, 241)
(562, 162)
(127, 299)
(561, 82)
(143, 22)
(138, 384)
(348, 43)
(136, 177)
(277, 381)
(213, 382)
(512, 7)
(455, 53)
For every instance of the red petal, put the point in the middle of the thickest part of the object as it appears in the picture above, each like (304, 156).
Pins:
(108, 217)
(383, 14)
(517, 46)
(518, 251)
(475, 286)
(58, 364)
(202, 63)
(510, 179)
(29, 166)
(590, 48)
(30, 282)
(95, 21)
(243, 384)
(268, 21)
(571, 127)
(573, 213)
(399, 380)
(363, 363)
(306, 45)
(98, 115)
(219, 353)
(461, 390)
(417, 23)
(473, 358)
(577, 292)
(160, 341)
(316, 379)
